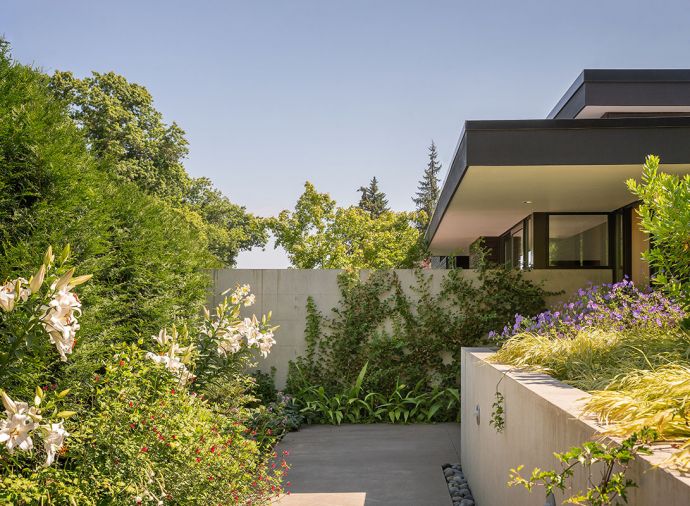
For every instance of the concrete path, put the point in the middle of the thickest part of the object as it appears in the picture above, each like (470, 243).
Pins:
(379, 464)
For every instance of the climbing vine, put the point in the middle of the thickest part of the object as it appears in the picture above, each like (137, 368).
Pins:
(408, 337)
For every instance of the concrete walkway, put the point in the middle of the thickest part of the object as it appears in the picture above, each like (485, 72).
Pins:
(379, 464)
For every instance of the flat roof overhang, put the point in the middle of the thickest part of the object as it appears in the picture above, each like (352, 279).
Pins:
(557, 165)
(599, 91)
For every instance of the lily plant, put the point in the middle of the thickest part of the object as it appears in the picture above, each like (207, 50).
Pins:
(35, 314)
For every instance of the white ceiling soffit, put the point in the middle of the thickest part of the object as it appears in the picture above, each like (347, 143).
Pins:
(490, 199)
(597, 111)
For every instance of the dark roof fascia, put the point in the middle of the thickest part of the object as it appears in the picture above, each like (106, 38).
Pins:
(619, 141)
(575, 98)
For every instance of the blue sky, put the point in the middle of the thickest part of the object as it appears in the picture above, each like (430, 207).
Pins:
(274, 93)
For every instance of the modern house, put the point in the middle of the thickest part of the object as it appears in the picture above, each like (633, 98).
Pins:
(550, 193)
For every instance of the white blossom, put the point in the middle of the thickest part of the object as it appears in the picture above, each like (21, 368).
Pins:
(9, 296)
(60, 321)
(241, 295)
(162, 338)
(265, 341)
(173, 363)
(54, 440)
(230, 342)
(15, 431)
(249, 328)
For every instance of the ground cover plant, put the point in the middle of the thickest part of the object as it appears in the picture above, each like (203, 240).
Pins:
(411, 343)
(355, 405)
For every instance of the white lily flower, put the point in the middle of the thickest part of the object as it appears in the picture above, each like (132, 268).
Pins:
(162, 337)
(60, 321)
(173, 364)
(53, 441)
(249, 329)
(12, 292)
(265, 342)
(21, 421)
(231, 342)
(7, 297)
(249, 300)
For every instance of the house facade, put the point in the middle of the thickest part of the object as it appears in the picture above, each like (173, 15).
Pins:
(551, 193)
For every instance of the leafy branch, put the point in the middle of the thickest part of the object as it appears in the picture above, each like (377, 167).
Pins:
(613, 484)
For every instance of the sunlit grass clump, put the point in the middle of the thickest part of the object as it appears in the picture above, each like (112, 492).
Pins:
(593, 358)
(657, 398)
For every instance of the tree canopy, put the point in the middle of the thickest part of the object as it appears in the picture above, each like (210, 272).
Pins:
(127, 134)
(319, 234)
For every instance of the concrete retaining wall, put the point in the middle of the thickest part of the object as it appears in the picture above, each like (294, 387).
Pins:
(285, 292)
(542, 415)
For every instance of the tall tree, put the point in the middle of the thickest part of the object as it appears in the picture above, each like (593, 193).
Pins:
(127, 134)
(373, 200)
(121, 125)
(319, 234)
(428, 189)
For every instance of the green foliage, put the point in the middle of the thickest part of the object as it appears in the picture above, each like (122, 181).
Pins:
(148, 260)
(355, 405)
(665, 215)
(149, 257)
(271, 421)
(264, 386)
(150, 438)
(318, 234)
(373, 200)
(498, 420)
(126, 133)
(407, 338)
(121, 125)
(428, 190)
(614, 458)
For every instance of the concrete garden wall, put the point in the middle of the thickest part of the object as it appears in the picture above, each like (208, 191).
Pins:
(541, 416)
(285, 292)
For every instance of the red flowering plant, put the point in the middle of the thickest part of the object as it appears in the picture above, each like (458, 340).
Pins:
(153, 441)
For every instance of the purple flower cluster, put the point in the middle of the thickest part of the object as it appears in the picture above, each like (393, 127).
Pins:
(617, 306)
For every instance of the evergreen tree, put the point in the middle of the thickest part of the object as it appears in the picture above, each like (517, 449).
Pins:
(373, 200)
(429, 189)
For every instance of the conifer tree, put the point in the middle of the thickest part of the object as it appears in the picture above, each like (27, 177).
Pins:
(428, 190)
(373, 200)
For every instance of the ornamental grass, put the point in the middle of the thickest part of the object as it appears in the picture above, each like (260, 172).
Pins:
(593, 358)
(657, 398)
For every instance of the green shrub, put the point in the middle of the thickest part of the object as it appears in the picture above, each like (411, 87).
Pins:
(147, 258)
(665, 214)
(152, 439)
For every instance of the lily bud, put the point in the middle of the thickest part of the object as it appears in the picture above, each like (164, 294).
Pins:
(36, 281)
(64, 280)
(48, 258)
(80, 280)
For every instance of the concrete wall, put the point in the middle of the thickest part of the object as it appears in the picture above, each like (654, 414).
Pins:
(285, 292)
(542, 415)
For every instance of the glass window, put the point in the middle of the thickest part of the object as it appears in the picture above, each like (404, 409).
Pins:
(578, 240)
(529, 243)
(514, 246)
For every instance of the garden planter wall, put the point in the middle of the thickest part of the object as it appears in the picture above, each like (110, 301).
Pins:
(285, 292)
(542, 415)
